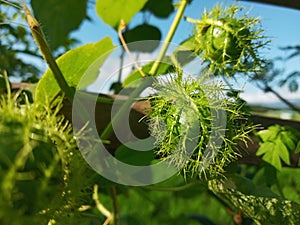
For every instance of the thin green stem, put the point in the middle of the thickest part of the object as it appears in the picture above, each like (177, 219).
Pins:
(119, 115)
(42, 43)
(166, 43)
(116, 216)
(7, 85)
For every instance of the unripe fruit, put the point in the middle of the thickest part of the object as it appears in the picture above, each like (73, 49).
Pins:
(221, 44)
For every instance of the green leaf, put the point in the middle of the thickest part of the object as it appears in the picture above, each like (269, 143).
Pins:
(258, 203)
(288, 180)
(274, 152)
(59, 18)
(134, 157)
(264, 148)
(269, 134)
(73, 65)
(132, 80)
(185, 53)
(113, 11)
(247, 186)
(282, 151)
(298, 147)
(266, 176)
(159, 8)
(288, 139)
(276, 144)
(142, 33)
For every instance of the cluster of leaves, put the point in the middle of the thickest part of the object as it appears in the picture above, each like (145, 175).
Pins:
(278, 143)
(140, 32)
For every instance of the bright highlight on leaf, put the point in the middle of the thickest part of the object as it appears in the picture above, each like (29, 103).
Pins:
(277, 143)
(112, 11)
(73, 65)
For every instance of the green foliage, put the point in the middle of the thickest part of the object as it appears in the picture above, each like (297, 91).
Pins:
(73, 65)
(143, 32)
(171, 202)
(133, 157)
(113, 12)
(159, 8)
(38, 166)
(58, 24)
(198, 126)
(288, 184)
(16, 41)
(256, 202)
(277, 143)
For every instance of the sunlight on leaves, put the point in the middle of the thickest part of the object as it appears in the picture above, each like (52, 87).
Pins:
(112, 11)
(277, 142)
(73, 65)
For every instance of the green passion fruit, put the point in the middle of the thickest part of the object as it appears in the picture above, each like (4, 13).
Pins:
(229, 41)
(223, 44)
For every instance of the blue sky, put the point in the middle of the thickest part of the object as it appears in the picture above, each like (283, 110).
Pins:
(280, 24)
(276, 21)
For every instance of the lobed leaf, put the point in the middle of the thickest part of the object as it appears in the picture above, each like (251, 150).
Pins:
(276, 144)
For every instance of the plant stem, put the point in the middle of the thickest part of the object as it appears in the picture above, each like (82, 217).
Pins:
(116, 206)
(119, 115)
(101, 207)
(166, 43)
(42, 43)
(121, 28)
(132, 97)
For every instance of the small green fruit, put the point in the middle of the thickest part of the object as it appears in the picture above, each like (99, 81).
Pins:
(221, 45)
(229, 43)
